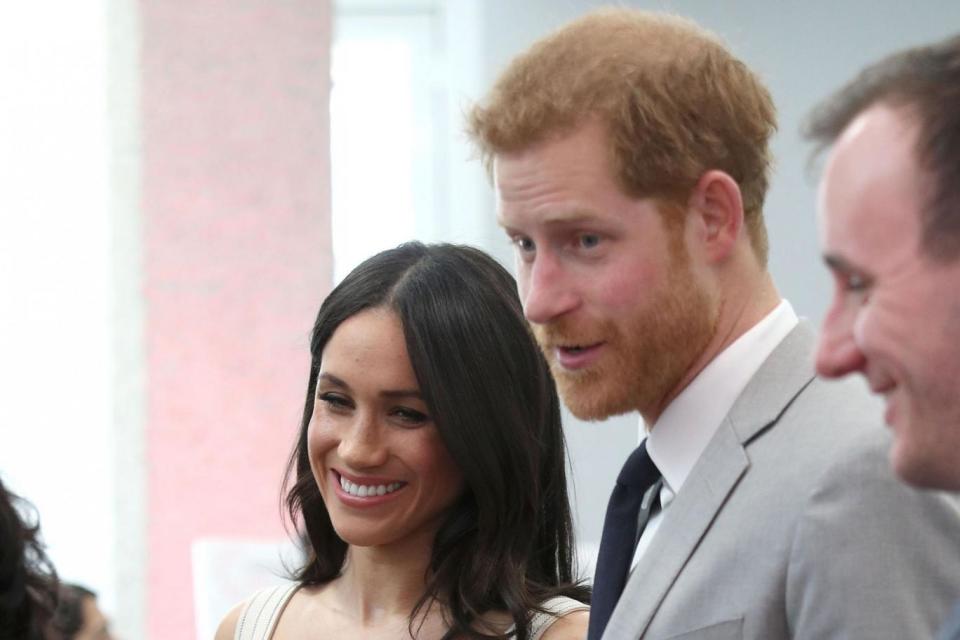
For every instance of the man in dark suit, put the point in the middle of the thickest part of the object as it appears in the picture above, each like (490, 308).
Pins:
(890, 232)
(629, 151)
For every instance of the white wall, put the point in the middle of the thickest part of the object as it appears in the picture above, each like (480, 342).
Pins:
(70, 331)
(56, 371)
(128, 611)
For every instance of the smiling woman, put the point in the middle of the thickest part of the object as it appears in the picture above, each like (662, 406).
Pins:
(429, 473)
(377, 457)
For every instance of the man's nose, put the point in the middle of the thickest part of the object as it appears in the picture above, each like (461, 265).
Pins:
(837, 351)
(547, 290)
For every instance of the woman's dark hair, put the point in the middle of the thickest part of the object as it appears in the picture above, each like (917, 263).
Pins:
(28, 582)
(69, 617)
(506, 544)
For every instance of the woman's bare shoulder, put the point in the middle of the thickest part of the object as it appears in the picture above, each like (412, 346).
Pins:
(309, 608)
(572, 626)
(228, 626)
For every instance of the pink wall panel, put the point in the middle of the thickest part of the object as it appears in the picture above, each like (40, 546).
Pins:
(237, 258)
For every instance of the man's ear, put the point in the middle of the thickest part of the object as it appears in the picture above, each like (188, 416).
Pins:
(717, 206)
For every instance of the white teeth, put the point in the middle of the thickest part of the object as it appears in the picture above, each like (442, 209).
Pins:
(365, 491)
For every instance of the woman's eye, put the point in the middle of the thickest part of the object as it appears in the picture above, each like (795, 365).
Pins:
(411, 416)
(336, 401)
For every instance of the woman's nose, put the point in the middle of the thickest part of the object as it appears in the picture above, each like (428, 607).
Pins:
(363, 446)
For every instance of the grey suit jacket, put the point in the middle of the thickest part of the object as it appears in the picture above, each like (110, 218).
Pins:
(951, 628)
(792, 525)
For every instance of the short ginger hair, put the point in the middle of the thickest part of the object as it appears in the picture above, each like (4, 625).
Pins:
(673, 99)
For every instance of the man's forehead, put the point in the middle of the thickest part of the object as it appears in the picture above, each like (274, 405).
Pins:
(873, 156)
(587, 138)
(551, 218)
(877, 136)
(870, 195)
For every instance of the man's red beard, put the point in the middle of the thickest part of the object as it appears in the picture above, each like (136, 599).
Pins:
(644, 357)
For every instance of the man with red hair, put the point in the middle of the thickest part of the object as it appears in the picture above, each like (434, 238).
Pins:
(629, 152)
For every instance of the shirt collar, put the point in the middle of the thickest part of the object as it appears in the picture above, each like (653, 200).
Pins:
(688, 423)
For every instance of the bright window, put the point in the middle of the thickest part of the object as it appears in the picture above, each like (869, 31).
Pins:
(382, 132)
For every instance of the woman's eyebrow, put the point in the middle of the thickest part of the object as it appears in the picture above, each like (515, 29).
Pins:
(331, 379)
(334, 381)
(402, 393)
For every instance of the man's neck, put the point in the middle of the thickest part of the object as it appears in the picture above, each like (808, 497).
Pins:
(739, 311)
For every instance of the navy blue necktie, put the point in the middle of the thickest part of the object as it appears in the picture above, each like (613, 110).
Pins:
(620, 535)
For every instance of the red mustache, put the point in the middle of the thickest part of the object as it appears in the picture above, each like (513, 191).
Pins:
(568, 333)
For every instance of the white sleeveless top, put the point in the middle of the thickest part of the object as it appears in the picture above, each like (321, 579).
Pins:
(262, 612)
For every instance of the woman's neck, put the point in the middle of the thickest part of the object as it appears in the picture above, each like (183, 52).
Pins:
(380, 583)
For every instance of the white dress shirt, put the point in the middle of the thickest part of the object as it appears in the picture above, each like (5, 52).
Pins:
(686, 426)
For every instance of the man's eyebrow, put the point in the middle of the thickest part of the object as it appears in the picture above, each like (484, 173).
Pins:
(559, 219)
(838, 263)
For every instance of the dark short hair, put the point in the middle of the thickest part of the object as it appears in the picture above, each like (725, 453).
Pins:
(925, 83)
(507, 543)
(28, 581)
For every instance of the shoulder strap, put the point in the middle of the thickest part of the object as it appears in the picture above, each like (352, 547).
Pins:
(555, 608)
(259, 618)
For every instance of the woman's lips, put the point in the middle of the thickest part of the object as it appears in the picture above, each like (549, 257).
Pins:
(358, 491)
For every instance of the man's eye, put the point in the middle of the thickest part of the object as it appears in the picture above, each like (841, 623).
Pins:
(854, 282)
(524, 244)
(588, 240)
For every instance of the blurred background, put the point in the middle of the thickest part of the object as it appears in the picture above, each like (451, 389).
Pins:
(181, 183)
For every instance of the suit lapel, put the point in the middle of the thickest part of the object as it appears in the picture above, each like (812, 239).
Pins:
(780, 379)
(690, 514)
(711, 481)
